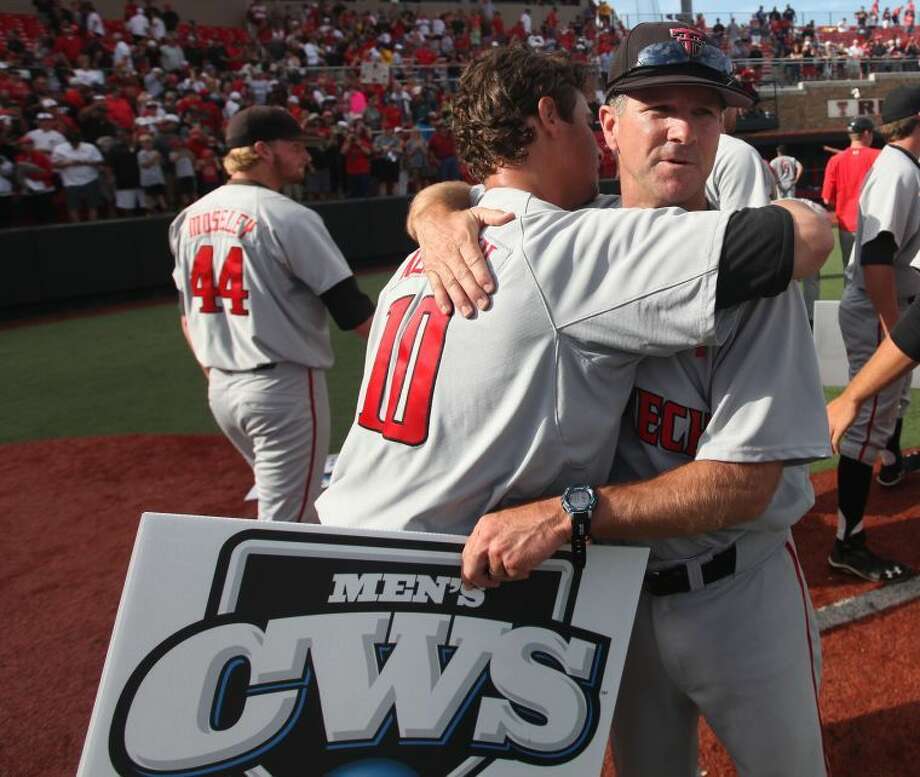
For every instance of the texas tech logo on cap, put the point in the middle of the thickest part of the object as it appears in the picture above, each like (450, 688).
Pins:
(692, 40)
(337, 655)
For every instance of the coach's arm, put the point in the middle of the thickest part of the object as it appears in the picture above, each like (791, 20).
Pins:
(696, 498)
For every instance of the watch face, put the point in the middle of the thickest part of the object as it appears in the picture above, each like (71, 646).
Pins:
(579, 499)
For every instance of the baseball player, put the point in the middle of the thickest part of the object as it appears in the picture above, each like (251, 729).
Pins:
(256, 273)
(724, 626)
(898, 355)
(882, 281)
(739, 177)
(843, 179)
(441, 437)
(787, 170)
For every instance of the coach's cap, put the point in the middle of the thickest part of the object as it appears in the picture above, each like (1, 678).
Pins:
(673, 54)
(262, 123)
(901, 103)
(860, 124)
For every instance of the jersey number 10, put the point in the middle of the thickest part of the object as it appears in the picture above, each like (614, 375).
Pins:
(400, 408)
(229, 285)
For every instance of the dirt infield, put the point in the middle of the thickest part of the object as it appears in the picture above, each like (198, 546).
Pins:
(69, 511)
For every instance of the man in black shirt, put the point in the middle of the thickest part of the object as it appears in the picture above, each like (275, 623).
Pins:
(122, 162)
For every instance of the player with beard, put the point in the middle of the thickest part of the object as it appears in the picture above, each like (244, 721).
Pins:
(256, 274)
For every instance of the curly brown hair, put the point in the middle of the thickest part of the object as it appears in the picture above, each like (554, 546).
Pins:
(498, 92)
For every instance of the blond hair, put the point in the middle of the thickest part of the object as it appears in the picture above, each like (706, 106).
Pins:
(239, 160)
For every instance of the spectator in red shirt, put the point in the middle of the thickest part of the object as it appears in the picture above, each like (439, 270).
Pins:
(357, 150)
(293, 108)
(68, 43)
(843, 179)
(120, 110)
(392, 116)
(443, 153)
(37, 178)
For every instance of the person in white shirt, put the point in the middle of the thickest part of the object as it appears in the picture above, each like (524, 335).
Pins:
(526, 21)
(437, 27)
(85, 75)
(94, 24)
(45, 137)
(139, 25)
(157, 28)
(172, 57)
(7, 189)
(153, 182)
(122, 54)
(78, 165)
(311, 50)
(232, 106)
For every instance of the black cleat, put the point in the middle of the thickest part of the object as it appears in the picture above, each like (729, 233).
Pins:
(890, 475)
(858, 560)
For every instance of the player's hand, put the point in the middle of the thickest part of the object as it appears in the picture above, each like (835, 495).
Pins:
(453, 261)
(506, 545)
(841, 412)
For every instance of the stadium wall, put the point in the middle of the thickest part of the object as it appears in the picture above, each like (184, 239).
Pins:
(60, 264)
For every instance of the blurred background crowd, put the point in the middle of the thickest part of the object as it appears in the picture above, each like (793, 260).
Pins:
(117, 117)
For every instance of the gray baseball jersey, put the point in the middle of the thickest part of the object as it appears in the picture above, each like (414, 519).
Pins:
(457, 417)
(746, 646)
(785, 169)
(720, 404)
(739, 178)
(250, 264)
(889, 202)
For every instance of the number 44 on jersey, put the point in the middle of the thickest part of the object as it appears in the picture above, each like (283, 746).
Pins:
(229, 285)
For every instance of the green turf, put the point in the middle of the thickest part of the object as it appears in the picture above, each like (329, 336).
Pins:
(131, 372)
(832, 275)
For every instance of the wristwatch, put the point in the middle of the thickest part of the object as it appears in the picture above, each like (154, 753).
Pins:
(579, 502)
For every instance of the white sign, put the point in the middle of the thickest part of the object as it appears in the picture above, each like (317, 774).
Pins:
(275, 650)
(375, 73)
(848, 109)
(832, 354)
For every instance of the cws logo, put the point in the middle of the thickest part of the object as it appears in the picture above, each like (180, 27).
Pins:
(343, 656)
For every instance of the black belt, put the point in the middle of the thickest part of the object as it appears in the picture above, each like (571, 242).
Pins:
(257, 368)
(676, 580)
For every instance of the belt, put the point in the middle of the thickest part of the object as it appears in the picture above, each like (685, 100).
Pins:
(676, 580)
(257, 368)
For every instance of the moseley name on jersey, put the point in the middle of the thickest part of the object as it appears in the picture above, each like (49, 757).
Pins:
(228, 221)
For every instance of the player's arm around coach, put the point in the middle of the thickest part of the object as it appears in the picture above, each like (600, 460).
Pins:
(442, 222)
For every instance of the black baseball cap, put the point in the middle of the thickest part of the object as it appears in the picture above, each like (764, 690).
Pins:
(264, 123)
(901, 103)
(859, 125)
(673, 54)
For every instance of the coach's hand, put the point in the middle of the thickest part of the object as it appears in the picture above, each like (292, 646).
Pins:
(508, 544)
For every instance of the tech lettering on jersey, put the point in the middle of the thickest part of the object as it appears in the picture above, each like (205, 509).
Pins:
(666, 424)
(387, 663)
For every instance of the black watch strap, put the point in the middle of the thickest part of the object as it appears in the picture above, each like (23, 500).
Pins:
(581, 531)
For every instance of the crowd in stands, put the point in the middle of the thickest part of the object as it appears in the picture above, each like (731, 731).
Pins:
(104, 117)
